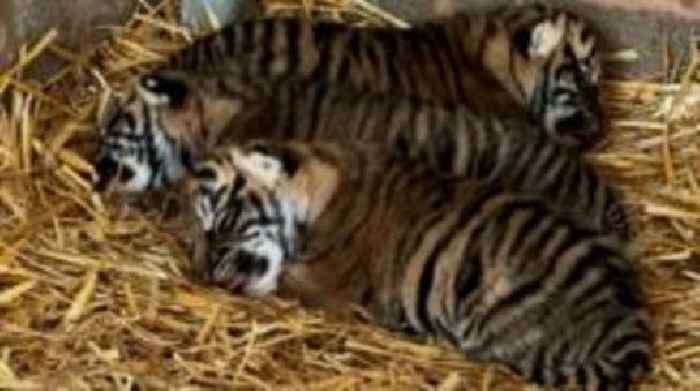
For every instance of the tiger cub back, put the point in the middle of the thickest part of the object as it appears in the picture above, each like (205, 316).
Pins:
(196, 112)
(501, 274)
(520, 59)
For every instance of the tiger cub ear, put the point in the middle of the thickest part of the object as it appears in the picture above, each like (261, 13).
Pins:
(540, 41)
(164, 87)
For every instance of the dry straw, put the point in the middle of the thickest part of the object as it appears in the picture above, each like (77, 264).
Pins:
(93, 294)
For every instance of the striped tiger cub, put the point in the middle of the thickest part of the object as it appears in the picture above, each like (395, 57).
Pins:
(502, 275)
(527, 59)
(173, 118)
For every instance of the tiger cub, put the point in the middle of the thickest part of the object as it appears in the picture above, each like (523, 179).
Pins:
(530, 59)
(501, 274)
(172, 119)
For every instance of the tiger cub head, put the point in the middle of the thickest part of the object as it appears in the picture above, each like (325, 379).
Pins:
(251, 206)
(553, 66)
(158, 126)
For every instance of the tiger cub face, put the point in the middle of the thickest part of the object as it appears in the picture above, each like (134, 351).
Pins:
(249, 205)
(159, 124)
(554, 68)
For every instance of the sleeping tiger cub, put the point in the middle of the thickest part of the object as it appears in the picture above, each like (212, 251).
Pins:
(527, 59)
(500, 274)
(173, 118)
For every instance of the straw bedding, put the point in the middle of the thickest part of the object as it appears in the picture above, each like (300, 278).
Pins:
(94, 291)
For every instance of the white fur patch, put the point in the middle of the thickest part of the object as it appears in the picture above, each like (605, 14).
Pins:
(139, 181)
(267, 283)
(151, 97)
(204, 211)
(150, 82)
(265, 169)
(546, 37)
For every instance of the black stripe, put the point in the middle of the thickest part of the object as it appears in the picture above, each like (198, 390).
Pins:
(621, 344)
(246, 40)
(352, 51)
(219, 194)
(456, 33)
(394, 53)
(388, 109)
(411, 129)
(256, 202)
(539, 112)
(294, 45)
(582, 378)
(425, 283)
(400, 124)
(453, 66)
(635, 361)
(267, 47)
(211, 51)
(151, 153)
(408, 244)
(540, 169)
(486, 154)
(323, 36)
(445, 332)
(369, 68)
(525, 233)
(413, 69)
(521, 163)
(593, 258)
(238, 183)
(383, 52)
(234, 209)
(565, 181)
(367, 296)
(427, 274)
(437, 49)
(594, 185)
(290, 109)
(531, 287)
(557, 356)
(320, 94)
(204, 172)
(366, 109)
(609, 326)
(470, 273)
(537, 372)
(228, 33)
(601, 376)
(443, 142)
(583, 304)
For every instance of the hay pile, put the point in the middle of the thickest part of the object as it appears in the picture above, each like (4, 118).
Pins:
(93, 293)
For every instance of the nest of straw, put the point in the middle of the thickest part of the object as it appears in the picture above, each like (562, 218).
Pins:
(93, 293)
